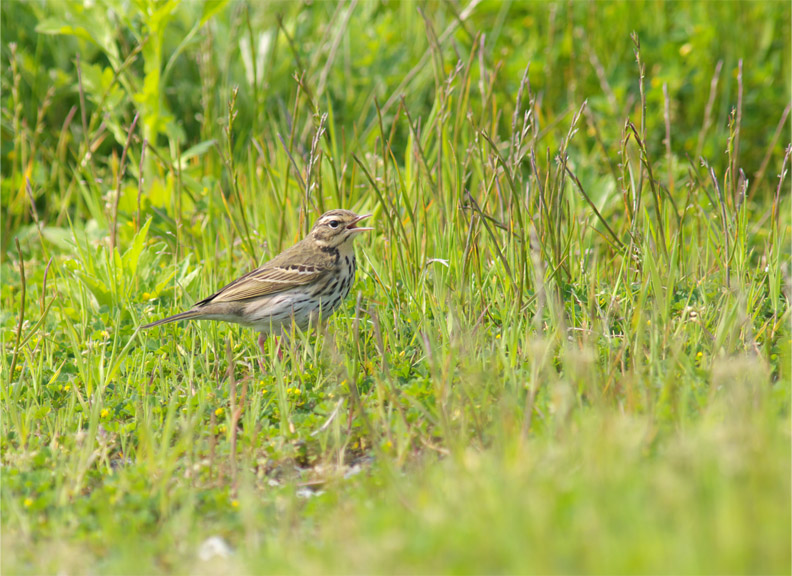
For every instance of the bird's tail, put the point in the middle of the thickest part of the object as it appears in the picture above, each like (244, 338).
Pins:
(175, 318)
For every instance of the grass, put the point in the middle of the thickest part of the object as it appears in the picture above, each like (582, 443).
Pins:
(569, 345)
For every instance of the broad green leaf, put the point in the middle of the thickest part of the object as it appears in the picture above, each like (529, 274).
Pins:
(132, 255)
(54, 26)
(210, 8)
(198, 150)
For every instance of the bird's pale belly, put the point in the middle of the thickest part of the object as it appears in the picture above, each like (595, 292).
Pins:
(277, 312)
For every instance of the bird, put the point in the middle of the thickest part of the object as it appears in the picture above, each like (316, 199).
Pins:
(300, 285)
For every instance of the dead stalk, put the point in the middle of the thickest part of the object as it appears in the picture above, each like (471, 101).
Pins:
(121, 172)
(21, 315)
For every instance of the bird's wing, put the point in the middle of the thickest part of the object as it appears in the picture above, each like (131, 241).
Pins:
(267, 280)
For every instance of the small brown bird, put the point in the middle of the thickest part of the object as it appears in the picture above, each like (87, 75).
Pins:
(301, 284)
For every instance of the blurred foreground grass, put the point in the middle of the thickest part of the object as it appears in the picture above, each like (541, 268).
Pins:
(569, 349)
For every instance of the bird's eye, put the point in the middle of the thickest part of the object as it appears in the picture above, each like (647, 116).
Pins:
(333, 223)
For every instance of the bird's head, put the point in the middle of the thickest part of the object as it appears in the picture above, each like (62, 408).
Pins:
(337, 227)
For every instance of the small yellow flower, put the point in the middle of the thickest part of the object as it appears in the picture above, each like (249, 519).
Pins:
(67, 388)
(219, 412)
(497, 336)
(104, 413)
(648, 322)
(234, 503)
(146, 296)
(28, 502)
(699, 354)
(105, 334)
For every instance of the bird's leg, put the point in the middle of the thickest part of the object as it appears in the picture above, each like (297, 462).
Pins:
(284, 340)
(279, 348)
(262, 341)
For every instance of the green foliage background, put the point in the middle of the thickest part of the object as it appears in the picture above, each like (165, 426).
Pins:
(569, 350)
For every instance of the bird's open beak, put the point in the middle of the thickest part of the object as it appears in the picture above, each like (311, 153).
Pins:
(352, 226)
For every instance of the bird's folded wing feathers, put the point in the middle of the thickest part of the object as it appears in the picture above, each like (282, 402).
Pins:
(265, 281)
